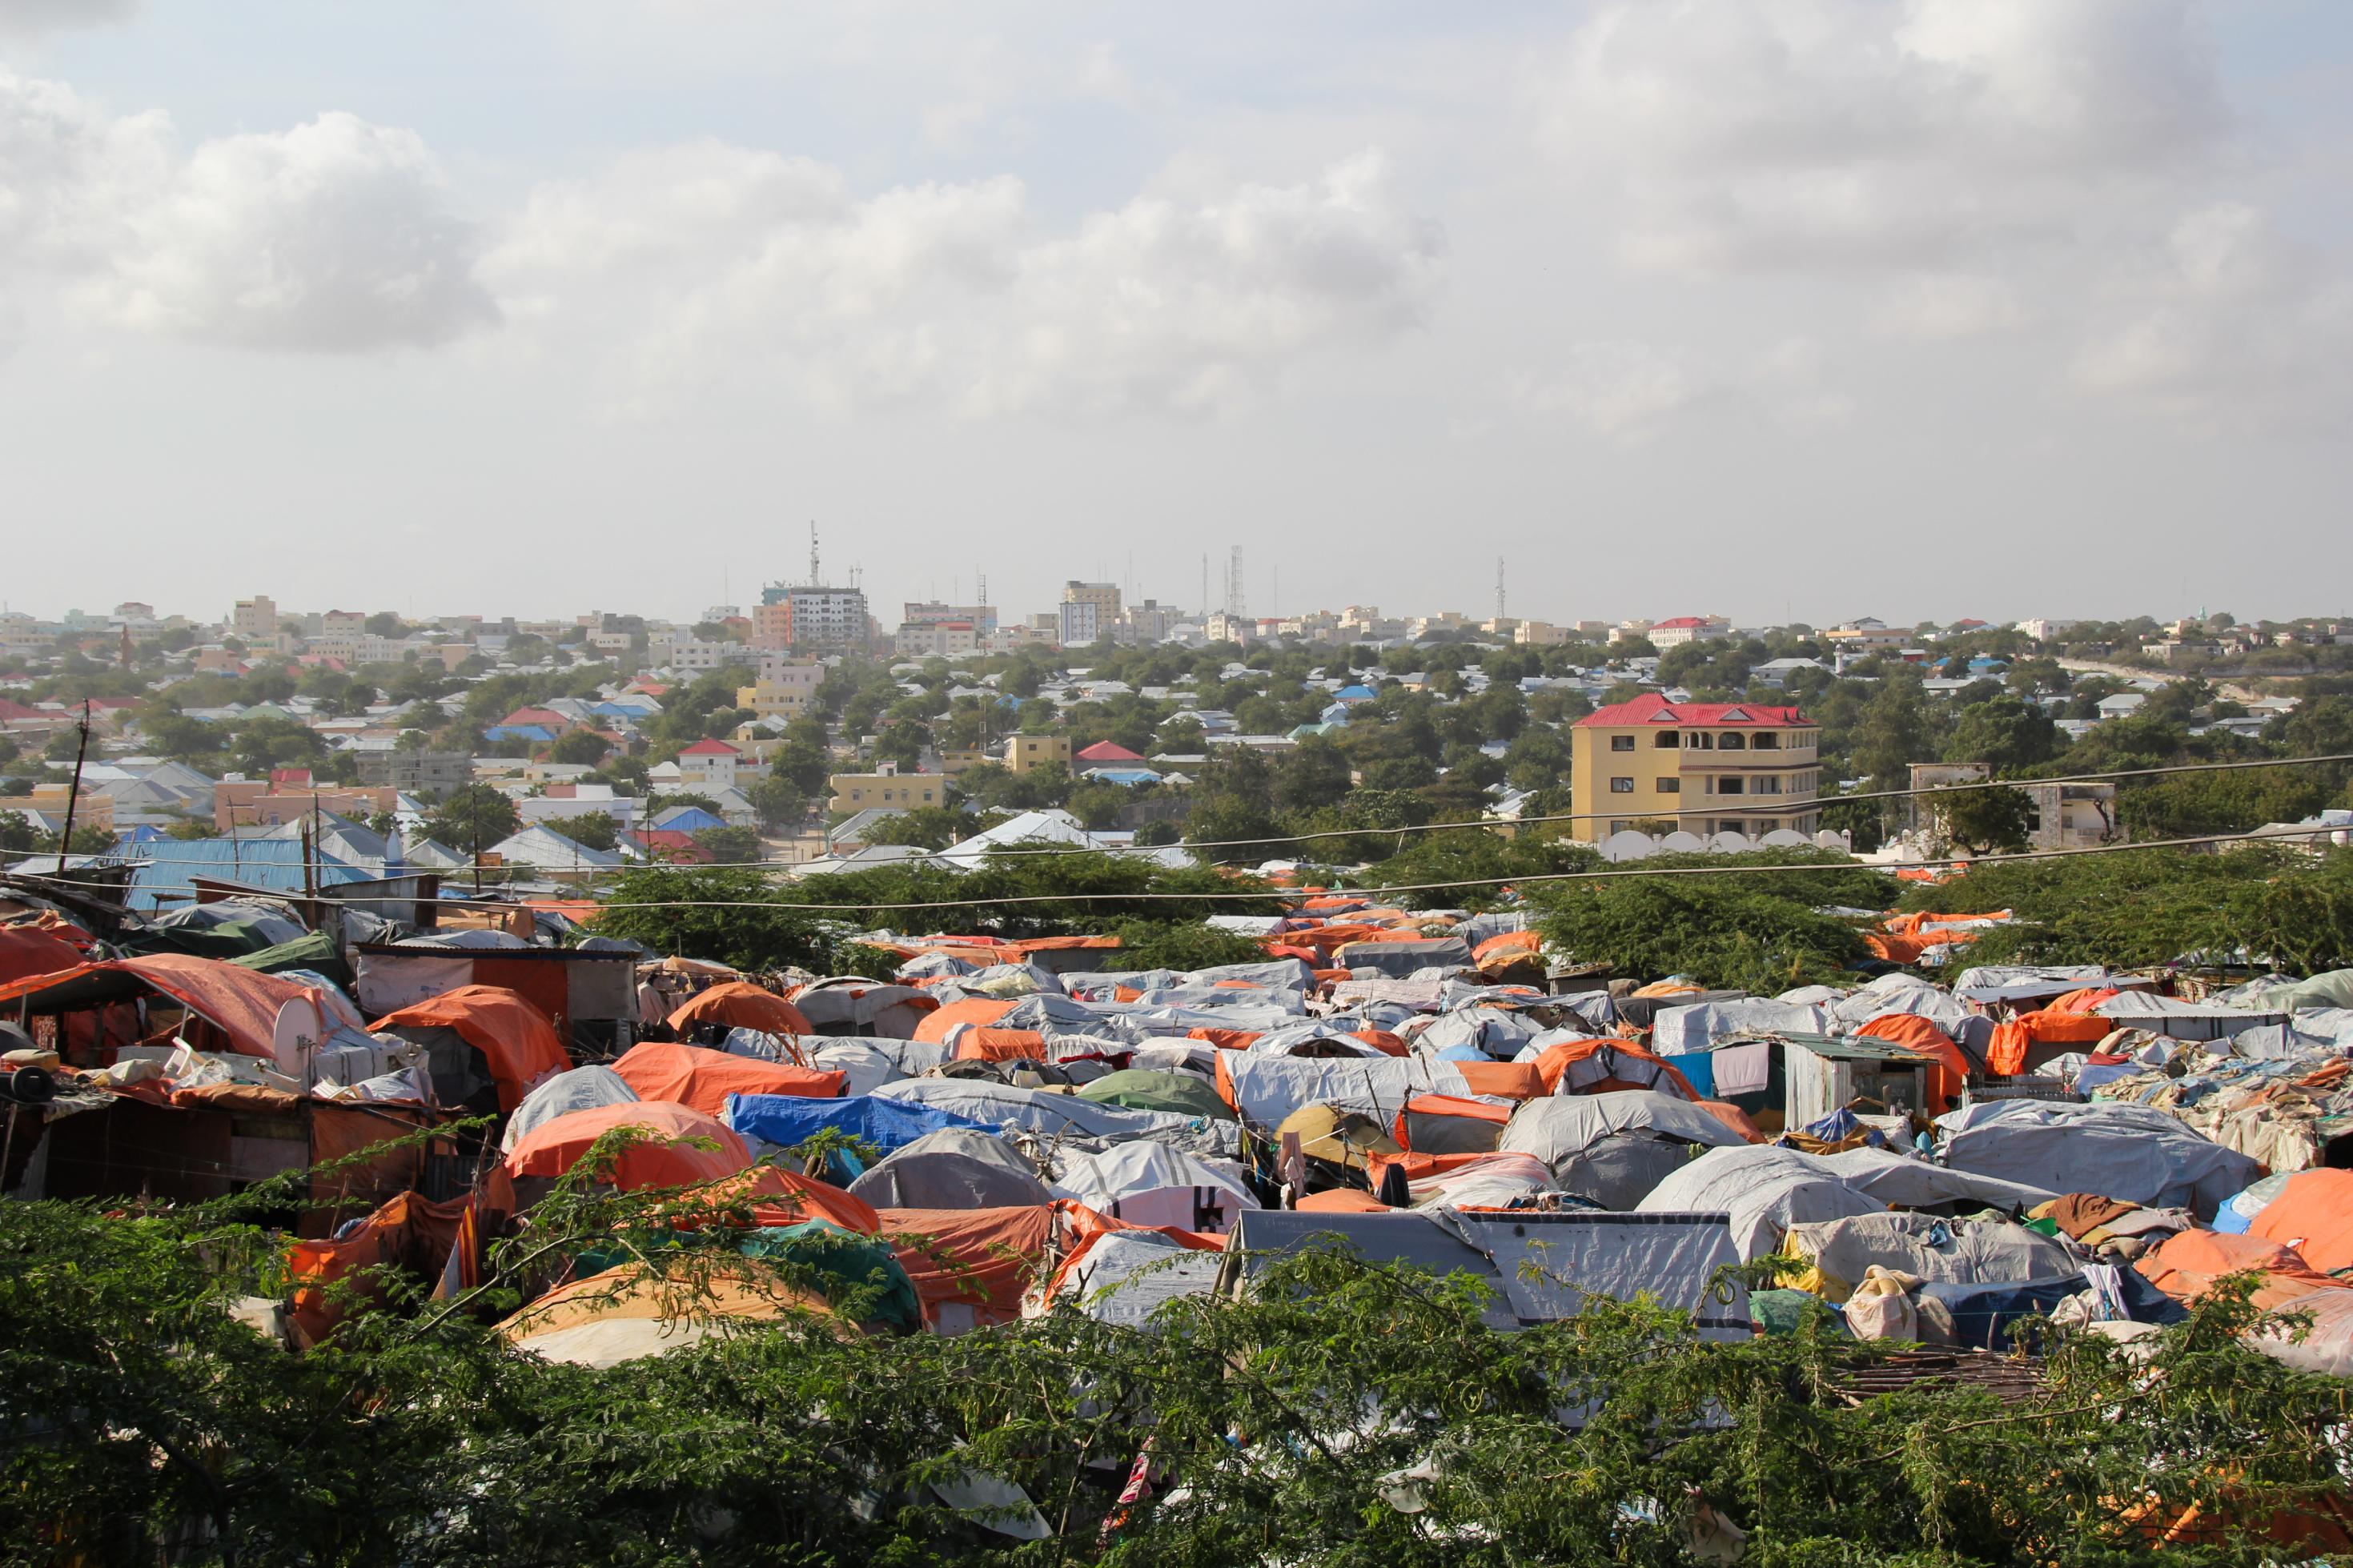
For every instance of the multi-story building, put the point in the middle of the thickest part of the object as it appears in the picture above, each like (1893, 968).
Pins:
(857, 791)
(432, 774)
(1149, 622)
(936, 639)
(785, 689)
(1089, 611)
(2058, 816)
(286, 797)
(1025, 752)
(1708, 767)
(1681, 629)
(981, 618)
(794, 616)
(255, 619)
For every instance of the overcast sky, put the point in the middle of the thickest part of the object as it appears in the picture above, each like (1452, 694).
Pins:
(1777, 308)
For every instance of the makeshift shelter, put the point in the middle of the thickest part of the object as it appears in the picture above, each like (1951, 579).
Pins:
(1949, 1077)
(1763, 1191)
(854, 1005)
(1926, 1247)
(1613, 1148)
(625, 1314)
(954, 1168)
(737, 1005)
(1336, 1136)
(517, 1043)
(780, 1122)
(674, 1154)
(2123, 1151)
(1152, 1184)
(1124, 1277)
(581, 1088)
(970, 1267)
(2313, 1213)
(1050, 1115)
(26, 951)
(692, 1076)
(778, 1197)
(231, 1008)
(1450, 1125)
(975, 1012)
(588, 995)
(1177, 1093)
(408, 1232)
(1607, 1066)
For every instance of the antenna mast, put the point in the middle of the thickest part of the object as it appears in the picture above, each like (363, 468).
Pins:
(1499, 587)
(1237, 600)
(814, 577)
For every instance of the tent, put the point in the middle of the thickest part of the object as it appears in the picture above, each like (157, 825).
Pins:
(1914, 1033)
(581, 1088)
(27, 950)
(2313, 1213)
(780, 1197)
(1450, 1125)
(970, 1267)
(739, 1004)
(517, 1042)
(978, 1011)
(1613, 1148)
(1762, 1189)
(1958, 1251)
(954, 1168)
(1050, 1115)
(1152, 1184)
(783, 1121)
(2125, 1151)
(624, 1314)
(689, 1075)
(672, 1157)
(1179, 1094)
(1582, 1066)
(239, 1004)
(1123, 1276)
(852, 1005)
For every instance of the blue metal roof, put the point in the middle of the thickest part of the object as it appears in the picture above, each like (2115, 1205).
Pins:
(164, 865)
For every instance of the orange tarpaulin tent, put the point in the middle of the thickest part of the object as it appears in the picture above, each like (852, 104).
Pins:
(241, 1002)
(986, 1045)
(407, 1232)
(1951, 1073)
(1344, 1200)
(27, 950)
(2081, 1000)
(739, 1004)
(980, 1258)
(692, 1076)
(1224, 1039)
(516, 1039)
(2313, 1213)
(1511, 1080)
(781, 1197)
(2006, 1051)
(1088, 1227)
(1642, 1070)
(671, 1158)
(979, 1012)
(2186, 1262)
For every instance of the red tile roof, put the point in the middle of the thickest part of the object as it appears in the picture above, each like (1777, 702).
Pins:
(1682, 621)
(710, 748)
(1108, 752)
(1652, 709)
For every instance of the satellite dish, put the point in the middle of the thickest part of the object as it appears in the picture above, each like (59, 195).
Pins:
(301, 1029)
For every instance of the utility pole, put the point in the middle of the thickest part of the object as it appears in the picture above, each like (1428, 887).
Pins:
(73, 795)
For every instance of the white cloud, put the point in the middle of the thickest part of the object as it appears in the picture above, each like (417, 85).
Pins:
(1765, 134)
(726, 262)
(2231, 325)
(333, 237)
(1945, 307)
(1628, 392)
(22, 17)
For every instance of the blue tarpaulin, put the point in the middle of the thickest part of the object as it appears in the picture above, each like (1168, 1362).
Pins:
(786, 1120)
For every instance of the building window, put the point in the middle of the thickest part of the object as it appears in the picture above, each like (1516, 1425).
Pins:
(1622, 742)
(1622, 786)
(1765, 742)
(1617, 824)
(1731, 784)
(1667, 739)
(1767, 786)
(1671, 786)
(1767, 826)
(1732, 825)
(1700, 740)
(1732, 742)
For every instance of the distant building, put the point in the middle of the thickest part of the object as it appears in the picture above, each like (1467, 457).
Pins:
(2062, 815)
(709, 764)
(1089, 611)
(791, 616)
(784, 689)
(255, 619)
(1681, 629)
(1708, 767)
(416, 773)
(271, 803)
(860, 791)
(982, 618)
(1026, 752)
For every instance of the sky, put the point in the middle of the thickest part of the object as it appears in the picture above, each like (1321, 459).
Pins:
(1778, 308)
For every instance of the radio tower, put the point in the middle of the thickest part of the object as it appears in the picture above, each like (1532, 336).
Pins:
(1499, 587)
(814, 578)
(979, 587)
(1236, 601)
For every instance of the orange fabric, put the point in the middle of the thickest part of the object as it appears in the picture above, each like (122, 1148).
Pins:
(1341, 1200)
(2082, 1001)
(1417, 1167)
(1510, 1080)
(1332, 976)
(2186, 1262)
(1553, 1062)
(1000, 1046)
(2006, 1052)
(740, 1004)
(552, 1147)
(1224, 1082)
(1234, 985)
(2313, 1213)
(703, 1078)
(1381, 1040)
(782, 1197)
(27, 950)
(515, 1038)
(1509, 941)
(1951, 1073)
(1444, 1105)
(1088, 1228)
(243, 1003)
(407, 1232)
(1733, 1117)
(983, 1258)
(1125, 994)
(1896, 949)
(977, 1011)
(1224, 1039)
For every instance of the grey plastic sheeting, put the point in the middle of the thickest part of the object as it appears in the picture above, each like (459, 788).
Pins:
(2125, 1151)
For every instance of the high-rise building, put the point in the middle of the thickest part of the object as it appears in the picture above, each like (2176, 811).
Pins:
(790, 617)
(255, 619)
(1089, 611)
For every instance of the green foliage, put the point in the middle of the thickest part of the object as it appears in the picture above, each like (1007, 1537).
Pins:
(580, 746)
(2190, 805)
(2271, 906)
(474, 816)
(779, 800)
(1750, 931)
(1164, 944)
(591, 830)
(924, 827)
(1455, 855)
(1981, 820)
(730, 846)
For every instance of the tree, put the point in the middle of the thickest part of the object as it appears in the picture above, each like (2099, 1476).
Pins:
(730, 846)
(924, 827)
(580, 746)
(2005, 733)
(473, 819)
(1315, 775)
(592, 830)
(385, 624)
(1979, 821)
(778, 800)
